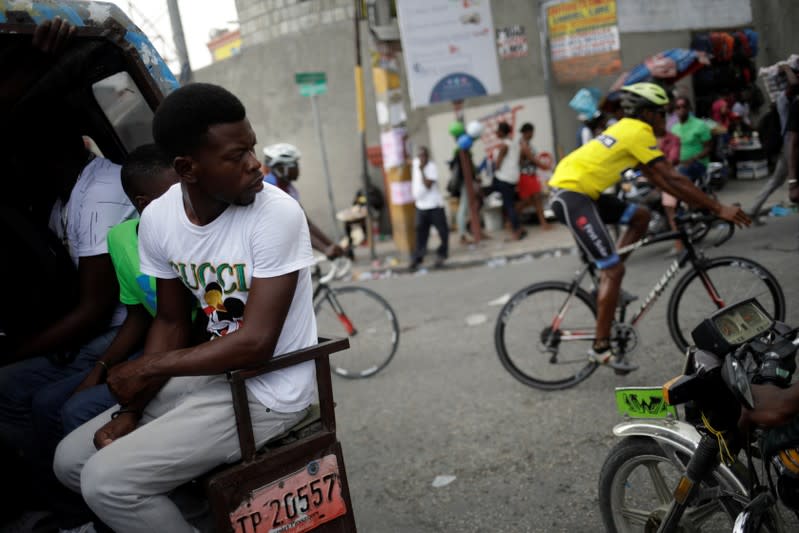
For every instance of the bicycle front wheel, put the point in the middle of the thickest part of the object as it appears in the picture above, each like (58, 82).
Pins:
(721, 281)
(543, 334)
(369, 322)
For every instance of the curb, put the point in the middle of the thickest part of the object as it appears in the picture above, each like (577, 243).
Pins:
(371, 273)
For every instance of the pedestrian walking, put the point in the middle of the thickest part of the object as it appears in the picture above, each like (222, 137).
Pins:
(429, 209)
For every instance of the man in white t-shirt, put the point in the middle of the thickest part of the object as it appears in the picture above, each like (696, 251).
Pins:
(242, 251)
(429, 209)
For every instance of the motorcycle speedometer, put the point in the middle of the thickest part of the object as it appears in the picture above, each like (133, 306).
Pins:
(732, 326)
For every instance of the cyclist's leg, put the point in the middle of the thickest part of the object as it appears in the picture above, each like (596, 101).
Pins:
(584, 219)
(635, 217)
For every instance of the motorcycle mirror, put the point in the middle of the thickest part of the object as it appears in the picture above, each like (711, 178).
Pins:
(737, 380)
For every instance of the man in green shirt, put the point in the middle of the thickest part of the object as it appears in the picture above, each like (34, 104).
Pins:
(695, 141)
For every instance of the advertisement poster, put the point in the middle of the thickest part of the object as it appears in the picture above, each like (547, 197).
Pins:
(511, 42)
(583, 39)
(449, 49)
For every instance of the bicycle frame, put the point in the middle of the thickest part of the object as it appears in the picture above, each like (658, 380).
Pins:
(322, 291)
(689, 255)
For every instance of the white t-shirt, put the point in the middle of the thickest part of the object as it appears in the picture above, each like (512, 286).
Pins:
(509, 170)
(425, 198)
(217, 262)
(96, 204)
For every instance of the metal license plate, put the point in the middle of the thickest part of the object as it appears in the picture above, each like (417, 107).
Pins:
(643, 402)
(299, 502)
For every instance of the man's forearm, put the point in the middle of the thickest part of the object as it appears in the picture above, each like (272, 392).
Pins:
(793, 153)
(130, 337)
(682, 188)
(70, 332)
(319, 241)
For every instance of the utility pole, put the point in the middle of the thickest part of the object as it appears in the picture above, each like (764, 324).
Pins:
(180, 42)
(360, 102)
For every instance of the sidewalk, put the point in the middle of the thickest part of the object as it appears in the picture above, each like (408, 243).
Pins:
(497, 251)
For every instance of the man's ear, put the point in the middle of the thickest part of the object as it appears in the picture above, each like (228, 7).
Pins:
(185, 168)
(140, 201)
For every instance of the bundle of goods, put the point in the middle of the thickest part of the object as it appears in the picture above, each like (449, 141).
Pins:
(774, 78)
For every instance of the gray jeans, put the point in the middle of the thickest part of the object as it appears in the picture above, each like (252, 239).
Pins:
(186, 430)
(774, 182)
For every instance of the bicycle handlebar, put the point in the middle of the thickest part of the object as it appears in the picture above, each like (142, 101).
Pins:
(339, 267)
(699, 217)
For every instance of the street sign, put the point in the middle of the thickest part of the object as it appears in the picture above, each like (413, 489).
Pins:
(311, 83)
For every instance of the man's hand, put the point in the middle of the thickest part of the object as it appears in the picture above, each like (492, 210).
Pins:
(95, 377)
(118, 427)
(773, 406)
(126, 380)
(334, 250)
(734, 214)
(51, 37)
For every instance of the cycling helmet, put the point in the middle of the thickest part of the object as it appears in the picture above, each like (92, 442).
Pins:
(281, 154)
(639, 96)
(456, 129)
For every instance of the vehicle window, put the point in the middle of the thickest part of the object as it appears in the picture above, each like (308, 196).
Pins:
(125, 108)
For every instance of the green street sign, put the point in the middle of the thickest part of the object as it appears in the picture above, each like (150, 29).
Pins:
(311, 83)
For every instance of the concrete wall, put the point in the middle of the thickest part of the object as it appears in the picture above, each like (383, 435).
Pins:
(281, 37)
(262, 76)
(776, 22)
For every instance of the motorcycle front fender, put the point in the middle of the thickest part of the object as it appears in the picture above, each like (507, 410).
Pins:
(676, 435)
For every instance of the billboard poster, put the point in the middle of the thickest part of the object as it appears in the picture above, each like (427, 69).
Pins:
(449, 49)
(583, 39)
(511, 42)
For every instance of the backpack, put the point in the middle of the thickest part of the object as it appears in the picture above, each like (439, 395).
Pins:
(770, 131)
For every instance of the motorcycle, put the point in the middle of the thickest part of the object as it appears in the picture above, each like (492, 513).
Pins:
(683, 464)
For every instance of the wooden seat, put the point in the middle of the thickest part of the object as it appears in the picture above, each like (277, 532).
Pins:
(296, 482)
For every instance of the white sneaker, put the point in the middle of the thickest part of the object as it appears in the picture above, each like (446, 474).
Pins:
(85, 528)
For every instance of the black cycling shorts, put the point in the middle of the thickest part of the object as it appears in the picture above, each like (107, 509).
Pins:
(586, 219)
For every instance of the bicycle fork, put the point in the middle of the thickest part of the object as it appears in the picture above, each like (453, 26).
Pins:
(342, 316)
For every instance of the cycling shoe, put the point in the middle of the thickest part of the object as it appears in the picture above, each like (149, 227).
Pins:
(611, 360)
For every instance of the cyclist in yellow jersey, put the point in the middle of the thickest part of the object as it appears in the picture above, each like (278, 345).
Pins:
(578, 202)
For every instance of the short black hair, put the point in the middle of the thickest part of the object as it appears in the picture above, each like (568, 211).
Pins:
(182, 120)
(527, 126)
(504, 127)
(143, 165)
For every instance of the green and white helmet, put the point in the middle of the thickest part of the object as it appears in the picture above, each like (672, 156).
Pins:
(639, 96)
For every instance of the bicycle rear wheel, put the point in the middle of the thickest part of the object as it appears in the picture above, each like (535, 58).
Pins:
(732, 279)
(541, 348)
(369, 322)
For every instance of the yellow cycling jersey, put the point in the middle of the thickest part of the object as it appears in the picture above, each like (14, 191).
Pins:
(600, 162)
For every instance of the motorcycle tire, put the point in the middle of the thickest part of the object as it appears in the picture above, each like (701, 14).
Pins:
(616, 486)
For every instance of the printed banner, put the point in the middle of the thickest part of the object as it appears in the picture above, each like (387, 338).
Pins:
(583, 39)
(511, 42)
(449, 50)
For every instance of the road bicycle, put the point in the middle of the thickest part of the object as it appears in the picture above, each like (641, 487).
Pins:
(543, 332)
(358, 313)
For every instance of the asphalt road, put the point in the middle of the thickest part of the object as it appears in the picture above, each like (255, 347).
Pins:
(523, 459)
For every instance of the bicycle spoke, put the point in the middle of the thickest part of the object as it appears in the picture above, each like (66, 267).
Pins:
(542, 336)
(367, 320)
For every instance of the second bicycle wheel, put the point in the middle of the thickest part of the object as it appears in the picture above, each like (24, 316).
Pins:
(367, 320)
(727, 280)
(542, 339)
